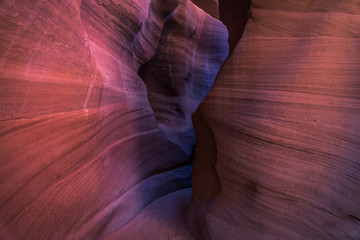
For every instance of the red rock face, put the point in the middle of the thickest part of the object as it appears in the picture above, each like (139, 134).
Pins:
(81, 149)
(95, 132)
(284, 115)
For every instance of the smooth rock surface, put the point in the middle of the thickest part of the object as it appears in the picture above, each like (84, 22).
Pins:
(162, 219)
(284, 114)
(81, 150)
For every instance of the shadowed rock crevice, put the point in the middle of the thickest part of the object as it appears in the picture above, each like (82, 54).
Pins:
(206, 184)
(95, 128)
(176, 85)
(234, 14)
(82, 152)
(205, 179)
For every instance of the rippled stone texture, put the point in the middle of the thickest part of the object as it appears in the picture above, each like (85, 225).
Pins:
(82, 151)
(284, 114)
(176, 85)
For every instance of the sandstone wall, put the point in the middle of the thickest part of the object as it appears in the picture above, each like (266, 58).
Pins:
(284, 119)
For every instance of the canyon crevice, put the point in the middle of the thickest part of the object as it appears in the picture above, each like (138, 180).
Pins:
(101, 102)
(85, 143)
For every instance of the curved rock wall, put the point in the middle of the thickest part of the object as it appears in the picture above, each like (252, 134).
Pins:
(284, 113)
(95, 105)
(81, 150)
(182, 71)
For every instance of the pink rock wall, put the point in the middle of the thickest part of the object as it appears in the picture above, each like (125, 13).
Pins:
(284, 116)
(95, 130)
(81, 150)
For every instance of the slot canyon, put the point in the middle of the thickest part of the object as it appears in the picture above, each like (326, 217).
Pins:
(180, 119)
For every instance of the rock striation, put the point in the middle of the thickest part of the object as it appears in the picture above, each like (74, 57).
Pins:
(283, 121)
(95, 105)
(96, 136)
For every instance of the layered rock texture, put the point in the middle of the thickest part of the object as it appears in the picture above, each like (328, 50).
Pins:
(96, 136)
(282, 120)
(95, 105)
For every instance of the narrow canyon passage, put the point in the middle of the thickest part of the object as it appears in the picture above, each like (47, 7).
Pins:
(96, 104)
(105, 103)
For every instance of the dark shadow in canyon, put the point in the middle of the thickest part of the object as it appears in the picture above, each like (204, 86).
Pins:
(234, 15)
